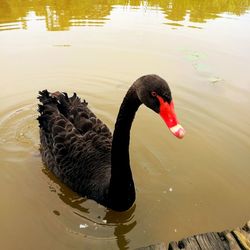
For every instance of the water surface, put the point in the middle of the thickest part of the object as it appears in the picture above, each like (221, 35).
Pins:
(97, 49)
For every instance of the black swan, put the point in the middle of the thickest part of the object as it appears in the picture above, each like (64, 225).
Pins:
(80, 150)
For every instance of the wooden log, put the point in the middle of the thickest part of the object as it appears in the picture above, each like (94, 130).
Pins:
(231, 240)
(236, 239)
(202, 241)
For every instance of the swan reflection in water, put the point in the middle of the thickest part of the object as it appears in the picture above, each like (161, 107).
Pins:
(110, 224)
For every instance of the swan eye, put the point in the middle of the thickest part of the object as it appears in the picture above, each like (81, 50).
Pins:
(153, 93)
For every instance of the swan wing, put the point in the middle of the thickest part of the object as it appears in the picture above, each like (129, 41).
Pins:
(75, 144)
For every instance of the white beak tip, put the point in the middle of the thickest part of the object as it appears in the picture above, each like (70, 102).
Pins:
(178, 131)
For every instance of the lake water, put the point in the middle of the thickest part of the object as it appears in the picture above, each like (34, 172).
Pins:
(97, 49)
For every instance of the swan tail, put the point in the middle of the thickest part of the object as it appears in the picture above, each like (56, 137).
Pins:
(47, 109)
(71, 108)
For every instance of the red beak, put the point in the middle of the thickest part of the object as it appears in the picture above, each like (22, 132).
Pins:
(168, 115)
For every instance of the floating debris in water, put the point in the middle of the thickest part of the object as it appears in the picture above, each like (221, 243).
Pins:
(104, 221)
(215, 79)
(56, 212)
(170, 189)
(83, 225)
(62, 45)
(2, 140)
(96, 227)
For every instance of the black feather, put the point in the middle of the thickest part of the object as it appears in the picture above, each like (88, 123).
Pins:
(72, 141)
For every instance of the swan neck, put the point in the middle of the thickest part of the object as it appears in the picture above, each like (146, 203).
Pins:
(121, 191)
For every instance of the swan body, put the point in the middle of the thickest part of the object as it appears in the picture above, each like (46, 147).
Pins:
(80, 149)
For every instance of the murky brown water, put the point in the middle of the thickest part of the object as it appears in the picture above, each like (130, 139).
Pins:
(97, 49)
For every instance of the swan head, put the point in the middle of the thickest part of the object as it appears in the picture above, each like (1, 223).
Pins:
(154, 92)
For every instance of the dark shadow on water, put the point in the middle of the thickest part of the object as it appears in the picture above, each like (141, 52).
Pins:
(65, 194)
(121, 222)
(124, 223)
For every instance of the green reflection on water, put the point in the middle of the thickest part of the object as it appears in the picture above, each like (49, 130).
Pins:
(63, 14)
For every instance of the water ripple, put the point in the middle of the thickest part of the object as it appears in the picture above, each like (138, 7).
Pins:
(18, 131)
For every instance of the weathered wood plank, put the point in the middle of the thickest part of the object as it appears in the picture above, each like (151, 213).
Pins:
(211, 241)
(189, 243)
(201, 241)
(243, 238)
(231, 240)
(236, 239)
